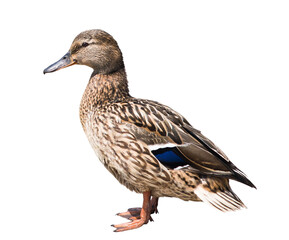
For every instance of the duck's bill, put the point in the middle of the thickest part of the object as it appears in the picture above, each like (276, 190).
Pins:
(64, 62)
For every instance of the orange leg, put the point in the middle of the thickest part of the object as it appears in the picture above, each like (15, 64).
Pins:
(138, 218)
(134, 213)
(154, 204)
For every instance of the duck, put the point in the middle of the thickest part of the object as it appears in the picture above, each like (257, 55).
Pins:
(148, 147)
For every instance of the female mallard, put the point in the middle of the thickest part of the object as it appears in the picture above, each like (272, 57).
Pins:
(147, 146)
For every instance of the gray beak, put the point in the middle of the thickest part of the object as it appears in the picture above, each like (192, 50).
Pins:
(64, 62)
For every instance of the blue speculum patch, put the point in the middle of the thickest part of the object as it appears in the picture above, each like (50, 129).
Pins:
(170, 157)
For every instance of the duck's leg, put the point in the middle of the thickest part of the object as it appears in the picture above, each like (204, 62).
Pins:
(143, 218)
(154, 204)
(134, 213)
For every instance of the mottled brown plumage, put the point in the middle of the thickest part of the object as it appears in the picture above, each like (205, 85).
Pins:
(147, 146)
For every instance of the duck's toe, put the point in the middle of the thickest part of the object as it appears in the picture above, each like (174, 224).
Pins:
(131, 213)
(129, 225)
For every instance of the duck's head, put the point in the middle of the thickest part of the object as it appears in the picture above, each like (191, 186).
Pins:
(94, 48)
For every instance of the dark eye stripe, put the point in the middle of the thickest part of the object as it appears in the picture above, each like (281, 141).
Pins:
(84, 44)
(77, 47)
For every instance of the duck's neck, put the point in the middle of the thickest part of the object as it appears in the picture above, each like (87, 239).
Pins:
(103, 89)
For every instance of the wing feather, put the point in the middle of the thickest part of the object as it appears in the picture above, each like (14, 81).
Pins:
(157, 124)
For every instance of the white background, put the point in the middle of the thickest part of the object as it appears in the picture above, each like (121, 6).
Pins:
(222, 64)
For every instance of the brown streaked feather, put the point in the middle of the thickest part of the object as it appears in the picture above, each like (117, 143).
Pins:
(219, 194)
(158, 124)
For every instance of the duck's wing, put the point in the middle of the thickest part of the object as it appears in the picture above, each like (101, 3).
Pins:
(174, 142)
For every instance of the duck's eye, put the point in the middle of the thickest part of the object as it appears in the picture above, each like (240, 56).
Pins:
(84, 44)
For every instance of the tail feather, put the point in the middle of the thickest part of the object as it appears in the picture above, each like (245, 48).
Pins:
(241, 177)
(222, 200)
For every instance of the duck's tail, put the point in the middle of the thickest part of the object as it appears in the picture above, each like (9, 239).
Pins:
(219, 194)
